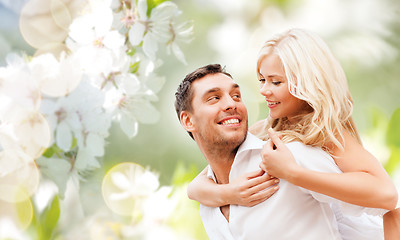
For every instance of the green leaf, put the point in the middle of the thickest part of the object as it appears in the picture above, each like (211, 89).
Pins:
(183, 175)
(133, 68)
(54, 149)
(378, 118)
(393, 131)
(49, 220)
(152, 4)
(49, 152)
(131, 52)
(74, 143)
(393, 161)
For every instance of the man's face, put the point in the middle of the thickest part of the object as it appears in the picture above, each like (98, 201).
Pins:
(219, 117)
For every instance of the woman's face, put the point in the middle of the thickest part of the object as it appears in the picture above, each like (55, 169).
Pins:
(275, 88)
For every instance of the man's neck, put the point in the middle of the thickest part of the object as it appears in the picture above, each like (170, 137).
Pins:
(221, 163)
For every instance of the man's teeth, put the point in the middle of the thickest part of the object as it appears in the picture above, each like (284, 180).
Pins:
(230, 121)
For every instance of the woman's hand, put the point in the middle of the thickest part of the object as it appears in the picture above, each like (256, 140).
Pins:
(247, 190)
(277, 161)
(251, 188)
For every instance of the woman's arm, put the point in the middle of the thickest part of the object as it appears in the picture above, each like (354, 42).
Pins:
(391, 224)
(248, 190)
(363, 182)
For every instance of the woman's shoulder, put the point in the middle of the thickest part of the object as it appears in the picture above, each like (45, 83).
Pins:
(259, 129)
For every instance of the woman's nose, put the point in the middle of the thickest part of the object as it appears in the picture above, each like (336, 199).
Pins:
(265, 91)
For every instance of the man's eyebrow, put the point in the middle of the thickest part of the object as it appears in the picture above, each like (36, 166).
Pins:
(213, 90)
(210, 91)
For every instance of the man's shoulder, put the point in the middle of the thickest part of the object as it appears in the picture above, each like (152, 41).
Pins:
(299, 147)
(251, 142)
(312, 157)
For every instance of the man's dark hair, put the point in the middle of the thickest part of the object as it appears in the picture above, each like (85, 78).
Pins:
(184, 93)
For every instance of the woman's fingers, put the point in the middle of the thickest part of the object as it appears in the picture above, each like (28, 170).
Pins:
(261, 196)
(275, 139)
(264, 185)
(255, 174)
(258, 180)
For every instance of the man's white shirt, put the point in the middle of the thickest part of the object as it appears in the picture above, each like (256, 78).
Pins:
(292, 212)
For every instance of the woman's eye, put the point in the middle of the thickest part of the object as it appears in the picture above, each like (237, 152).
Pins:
(261, 80)
(276, 82)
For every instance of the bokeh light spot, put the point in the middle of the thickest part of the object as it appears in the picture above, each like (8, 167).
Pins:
(39, 26)
(125, 186)
(20, 213)
(19, 177)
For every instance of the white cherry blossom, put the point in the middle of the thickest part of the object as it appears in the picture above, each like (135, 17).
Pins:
(55, 78)
(154, 29)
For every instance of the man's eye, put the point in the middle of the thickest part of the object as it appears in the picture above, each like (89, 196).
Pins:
(236, 96)
(212, 98)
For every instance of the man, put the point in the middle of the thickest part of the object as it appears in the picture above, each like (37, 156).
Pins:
(210, 108)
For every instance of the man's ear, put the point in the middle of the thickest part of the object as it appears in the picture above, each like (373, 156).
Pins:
(186, 121)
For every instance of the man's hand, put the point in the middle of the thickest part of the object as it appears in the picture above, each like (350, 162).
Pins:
(277, 161)
(252, 188)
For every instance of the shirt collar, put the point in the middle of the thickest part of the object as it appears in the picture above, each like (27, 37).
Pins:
(251, 142)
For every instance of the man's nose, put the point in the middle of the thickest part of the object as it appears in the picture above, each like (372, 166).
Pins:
(229, 103)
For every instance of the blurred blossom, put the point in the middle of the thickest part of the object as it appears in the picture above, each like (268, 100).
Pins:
(160, 27)
(17, 86)
(233, 41)
(87, 123)
(55, 78)
(32, 133)
(44, 194)
(8, 230)
(93, 40)
(63, 119)
(133, 185)
(181, 33)
(126, 186)
(19, 176)
(149, 232)
(102, 228)
(160, 206)
(232, 7)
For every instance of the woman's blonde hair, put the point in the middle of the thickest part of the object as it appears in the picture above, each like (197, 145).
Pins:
(315, 76)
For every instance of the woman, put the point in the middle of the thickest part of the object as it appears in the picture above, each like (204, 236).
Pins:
(309, 101)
